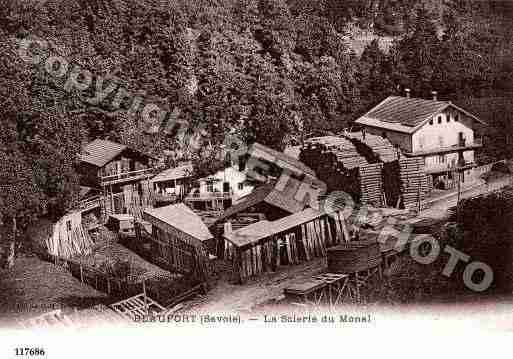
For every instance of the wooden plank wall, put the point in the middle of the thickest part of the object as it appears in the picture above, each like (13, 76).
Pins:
(302, 243)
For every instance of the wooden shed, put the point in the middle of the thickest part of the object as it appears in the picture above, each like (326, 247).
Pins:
(179, 240)
(265, 246)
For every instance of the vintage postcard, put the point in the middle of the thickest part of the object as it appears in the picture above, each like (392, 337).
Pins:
(178, 166)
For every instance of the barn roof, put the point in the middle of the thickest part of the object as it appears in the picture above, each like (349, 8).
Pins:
(180, 217)
(253, 233)
(281, 159)
(268, 193)
(170, 174)
(100, 152)
(405, 114)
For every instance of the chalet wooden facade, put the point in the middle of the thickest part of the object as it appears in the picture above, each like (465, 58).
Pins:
(173, 184)
(121, 173)
(442, 134)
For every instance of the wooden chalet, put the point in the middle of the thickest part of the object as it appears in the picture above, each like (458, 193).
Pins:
(120, 172)
(267, 245)
(179, 240)
(172, 184)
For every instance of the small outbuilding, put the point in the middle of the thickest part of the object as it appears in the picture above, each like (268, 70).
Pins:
(265, 246)
(179, 239)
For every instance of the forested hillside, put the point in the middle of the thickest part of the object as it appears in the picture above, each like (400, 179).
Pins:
(274, 71)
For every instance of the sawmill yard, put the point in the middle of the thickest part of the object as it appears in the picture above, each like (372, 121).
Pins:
(42, 286)
(405, 282)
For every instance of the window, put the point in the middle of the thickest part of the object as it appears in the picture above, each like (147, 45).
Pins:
(441, 159)
(456, 118)
(439, 119)
(448, 118)
(68, 225)
(210, 186)
(431, 122)
(240, 186)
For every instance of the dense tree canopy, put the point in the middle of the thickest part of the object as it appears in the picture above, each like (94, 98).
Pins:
(272, 71)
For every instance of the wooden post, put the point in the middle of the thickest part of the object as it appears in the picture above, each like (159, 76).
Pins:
(145, 298)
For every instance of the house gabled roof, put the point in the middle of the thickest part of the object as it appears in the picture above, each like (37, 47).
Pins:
(253, 233)
(184, 171)
(404, 114)
(281, 159)
(100, 152)
(268, 193)
(181, 217)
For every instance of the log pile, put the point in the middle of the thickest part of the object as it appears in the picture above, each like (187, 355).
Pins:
(414, 182)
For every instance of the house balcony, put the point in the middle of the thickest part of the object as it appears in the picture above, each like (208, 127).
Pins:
(196, 196)
(90, 203)
(166, 197)
(442, 168)
(460, 147)
(128, 176)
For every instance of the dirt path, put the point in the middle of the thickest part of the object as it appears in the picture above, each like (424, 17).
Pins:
(264, 289)
(440, 208)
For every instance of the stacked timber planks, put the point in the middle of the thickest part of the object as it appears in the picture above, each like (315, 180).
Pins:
(414, 183)
(352, 257)
(374, 148)
(371, 184)
(336, 162)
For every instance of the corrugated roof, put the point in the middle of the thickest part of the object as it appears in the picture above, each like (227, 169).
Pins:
(268, 193)
(263, 229)
(281, 159)
(100, 152)
(405, 114)
(170, 174)
(180, 217)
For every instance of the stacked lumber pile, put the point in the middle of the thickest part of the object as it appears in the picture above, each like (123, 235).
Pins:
(336, 162)
(341, 151)
(371, 185)
(414, 182)
(69, 239)
(353, 257)
(374, 148)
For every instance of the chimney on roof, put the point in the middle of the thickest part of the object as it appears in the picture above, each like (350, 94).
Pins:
(407, 92)
(435, 95)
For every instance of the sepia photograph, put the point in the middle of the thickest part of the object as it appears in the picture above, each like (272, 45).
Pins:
(194, 166)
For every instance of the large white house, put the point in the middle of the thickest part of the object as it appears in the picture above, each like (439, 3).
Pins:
(440, 132)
